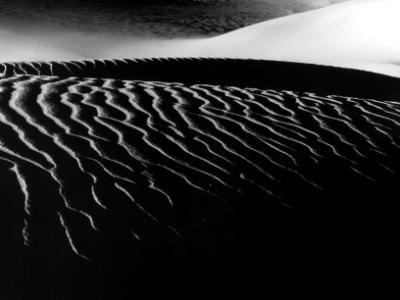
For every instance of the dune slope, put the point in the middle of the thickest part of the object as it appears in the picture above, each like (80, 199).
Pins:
(123, 188)
(360, 34)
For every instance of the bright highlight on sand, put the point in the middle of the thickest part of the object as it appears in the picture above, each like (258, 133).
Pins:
(220, 167)
(360, 34)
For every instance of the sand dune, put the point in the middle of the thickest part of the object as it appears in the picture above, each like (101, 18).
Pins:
(125, 179)
(358, 34)
(242, 73)
(133, 187)
(160, 18)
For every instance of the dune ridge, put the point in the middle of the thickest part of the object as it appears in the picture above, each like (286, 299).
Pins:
(238, 72)
(358, 34)
(134, 187)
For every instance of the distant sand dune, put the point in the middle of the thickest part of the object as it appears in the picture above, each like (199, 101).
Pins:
(135, 187)
(358, 34)
(163, 19)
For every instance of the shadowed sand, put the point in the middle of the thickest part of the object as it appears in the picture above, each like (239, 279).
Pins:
(238, 72)
(160, 18)
(358, 34)
(125, 179)
(115, 188)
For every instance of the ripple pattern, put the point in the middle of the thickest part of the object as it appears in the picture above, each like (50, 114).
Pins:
(101, 168)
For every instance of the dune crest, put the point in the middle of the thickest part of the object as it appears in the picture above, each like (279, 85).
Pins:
(359, 34)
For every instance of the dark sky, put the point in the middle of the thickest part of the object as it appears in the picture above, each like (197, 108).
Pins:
(161, 18)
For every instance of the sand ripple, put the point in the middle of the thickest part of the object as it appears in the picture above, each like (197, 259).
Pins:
(110, 174)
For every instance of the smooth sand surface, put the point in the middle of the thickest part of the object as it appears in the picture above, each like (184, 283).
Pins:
(360, 34)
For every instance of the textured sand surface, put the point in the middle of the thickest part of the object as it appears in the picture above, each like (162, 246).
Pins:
(121, 188)
(162, 18)
(129, 179)
(359, 34)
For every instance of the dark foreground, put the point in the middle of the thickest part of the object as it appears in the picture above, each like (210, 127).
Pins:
(195, 178)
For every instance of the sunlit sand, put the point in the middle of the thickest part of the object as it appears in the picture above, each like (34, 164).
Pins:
(358, 34)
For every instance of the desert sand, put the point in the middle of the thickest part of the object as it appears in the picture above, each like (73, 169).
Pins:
(159, 18)
(360, 34)
(132, 179)
(129, 179)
